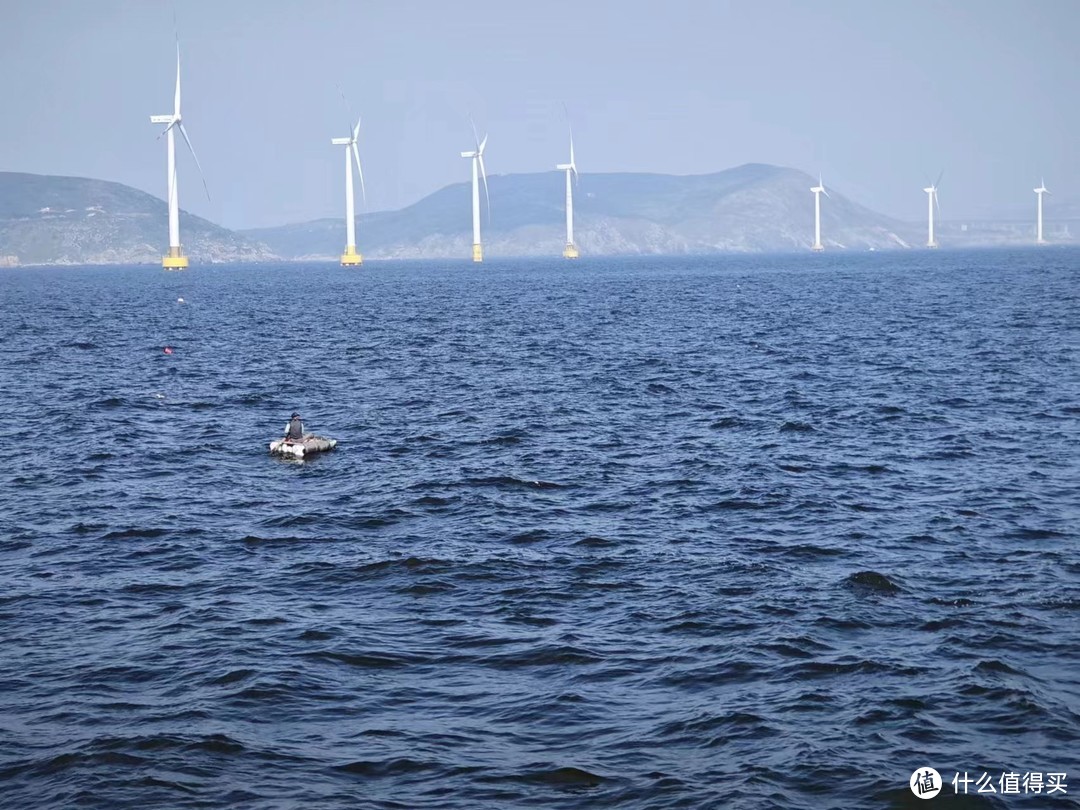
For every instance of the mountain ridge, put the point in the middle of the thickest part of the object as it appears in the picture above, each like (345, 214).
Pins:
(750, 208)
(756, 207)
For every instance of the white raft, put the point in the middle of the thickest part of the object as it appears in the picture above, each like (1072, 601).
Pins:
(300, 449)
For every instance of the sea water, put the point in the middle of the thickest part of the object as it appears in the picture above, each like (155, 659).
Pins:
(763, 532)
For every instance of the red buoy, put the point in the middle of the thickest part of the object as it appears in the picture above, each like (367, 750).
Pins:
(168, 350)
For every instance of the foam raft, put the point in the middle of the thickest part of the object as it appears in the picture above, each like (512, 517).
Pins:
(300, 449)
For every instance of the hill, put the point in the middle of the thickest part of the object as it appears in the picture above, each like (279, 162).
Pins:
(74, 220)
(750, 208)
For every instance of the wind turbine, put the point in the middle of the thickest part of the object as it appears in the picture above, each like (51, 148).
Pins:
(351, 258)
(1042, 189)
(176, 260)
(818, 190)
(477, 157)
(571, 251)
(932, 203)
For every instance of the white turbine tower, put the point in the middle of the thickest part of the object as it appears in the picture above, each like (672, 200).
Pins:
(932, 203)
(818, 190)
(351, 257)
(1042, 189)
(571, 251)
(176, 260)
(477, 157)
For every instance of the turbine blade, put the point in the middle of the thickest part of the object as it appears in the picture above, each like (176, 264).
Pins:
(356, 154)
(938, 181)
(191, 149)
(356, 130)
(166, 130)
(176, 98)
(348, 109)
(483, 173)
(476, 137)
(480, 148)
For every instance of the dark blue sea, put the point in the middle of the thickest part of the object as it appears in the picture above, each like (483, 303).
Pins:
(748, 532)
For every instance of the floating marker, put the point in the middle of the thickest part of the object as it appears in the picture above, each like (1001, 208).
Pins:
(180, 301)
(168, 350)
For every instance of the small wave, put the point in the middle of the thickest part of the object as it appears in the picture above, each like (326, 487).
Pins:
(735, 504)
(958, 602)
(233, 676)
(531, 536)
(363, 660)
(126, 534)
(1037, 534)
(545, 655)
(504, 440)
(796, 427)
(998, 667)
(567, 777)
(596, 542)
(872, 581)
(401, 766)
(433, 500)
(502, 481)
(727, 422)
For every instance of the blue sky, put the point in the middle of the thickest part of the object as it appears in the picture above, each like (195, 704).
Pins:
(878, 96)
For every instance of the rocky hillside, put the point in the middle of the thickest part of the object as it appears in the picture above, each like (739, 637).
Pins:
(75, 220)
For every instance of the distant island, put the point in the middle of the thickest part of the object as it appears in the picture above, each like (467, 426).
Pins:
(76, 220)
(747, 209)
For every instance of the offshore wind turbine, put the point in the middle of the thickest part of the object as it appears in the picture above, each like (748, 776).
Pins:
(571, 251)
(1042, 189)
(477, 157)
(818, 190)
(932, 203)
(351, 257)
(175, 260)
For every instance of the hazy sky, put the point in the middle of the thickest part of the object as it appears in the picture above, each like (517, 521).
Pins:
(879, 95)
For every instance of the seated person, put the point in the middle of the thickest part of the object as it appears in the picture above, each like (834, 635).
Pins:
(294, 430)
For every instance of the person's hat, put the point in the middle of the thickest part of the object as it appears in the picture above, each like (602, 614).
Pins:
(295, 415)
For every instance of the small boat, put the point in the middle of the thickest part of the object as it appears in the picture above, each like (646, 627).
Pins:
(302, 448)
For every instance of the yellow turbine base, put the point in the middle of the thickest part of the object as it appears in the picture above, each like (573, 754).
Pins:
(817, 248)
(571, 252)
(477, 253)
(350, 258)
(174, 262)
